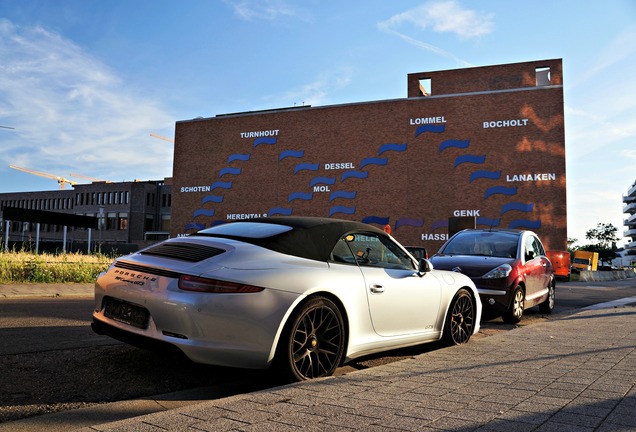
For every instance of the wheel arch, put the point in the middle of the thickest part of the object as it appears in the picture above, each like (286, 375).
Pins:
(442, 317)
(284, 327)
(445, 330)
(473, 294)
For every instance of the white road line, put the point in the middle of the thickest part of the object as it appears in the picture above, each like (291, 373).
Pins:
(612, 304)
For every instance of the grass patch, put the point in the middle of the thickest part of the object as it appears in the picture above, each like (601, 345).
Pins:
(26, 267)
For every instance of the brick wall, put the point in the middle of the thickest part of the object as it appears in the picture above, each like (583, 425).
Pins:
(411, 162)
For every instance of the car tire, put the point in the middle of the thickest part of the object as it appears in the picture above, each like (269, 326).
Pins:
(548, 305)
(313, 342)
(460, 319)
(515, 312)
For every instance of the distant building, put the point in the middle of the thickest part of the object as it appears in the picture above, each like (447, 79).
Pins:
(128, 213)
(630, 223)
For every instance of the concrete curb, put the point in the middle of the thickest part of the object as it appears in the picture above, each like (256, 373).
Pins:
(46, 290)
(602, 276)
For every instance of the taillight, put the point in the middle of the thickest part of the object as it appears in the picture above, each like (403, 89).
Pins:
(199, 284)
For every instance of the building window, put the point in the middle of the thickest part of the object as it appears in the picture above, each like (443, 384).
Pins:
(111, 221)
(122, 222)
(425, 87)
(150, 199)
(165, 200)
(149, 225)
(543, 76)
(165, 222)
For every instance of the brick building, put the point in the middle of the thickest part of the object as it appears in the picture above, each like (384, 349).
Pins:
(483, 142)
(134, 213)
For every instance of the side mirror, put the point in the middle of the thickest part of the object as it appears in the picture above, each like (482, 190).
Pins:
(529, 255)
(425, 266)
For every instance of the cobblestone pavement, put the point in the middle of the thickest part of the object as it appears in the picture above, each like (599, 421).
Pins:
(576, 373)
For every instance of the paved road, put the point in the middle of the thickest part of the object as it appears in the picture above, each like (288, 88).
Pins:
(37, 324)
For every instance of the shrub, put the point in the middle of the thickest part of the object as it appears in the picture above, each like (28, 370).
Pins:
(25, 267)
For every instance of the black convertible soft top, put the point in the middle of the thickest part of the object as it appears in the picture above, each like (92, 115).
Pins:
(309, 237)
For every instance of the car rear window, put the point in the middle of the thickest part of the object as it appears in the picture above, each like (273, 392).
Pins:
(247, 230)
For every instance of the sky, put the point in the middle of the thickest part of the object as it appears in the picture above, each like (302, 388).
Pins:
(83, 83)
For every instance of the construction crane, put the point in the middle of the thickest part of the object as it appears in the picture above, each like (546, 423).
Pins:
(93, 179)
(162, 138)
(61, 180)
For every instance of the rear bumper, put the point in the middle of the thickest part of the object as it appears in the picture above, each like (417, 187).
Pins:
(143, 342)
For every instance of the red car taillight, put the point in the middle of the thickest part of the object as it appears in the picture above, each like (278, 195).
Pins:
(199, 284)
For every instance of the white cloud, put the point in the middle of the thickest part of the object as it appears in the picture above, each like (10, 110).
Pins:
(629, 154)
(619, 50)
(318, 91)
(72, 112)
(269, 10)
(443, 17)
(601, 109)
(440, 17)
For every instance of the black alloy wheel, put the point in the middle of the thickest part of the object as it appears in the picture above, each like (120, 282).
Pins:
(460, 321)
(314, 343)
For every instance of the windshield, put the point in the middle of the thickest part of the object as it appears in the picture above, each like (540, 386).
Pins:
(485, 243)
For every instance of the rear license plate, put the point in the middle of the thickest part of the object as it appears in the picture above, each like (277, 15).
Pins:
(126, 313)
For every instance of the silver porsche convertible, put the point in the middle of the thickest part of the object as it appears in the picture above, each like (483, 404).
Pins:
(300, 295)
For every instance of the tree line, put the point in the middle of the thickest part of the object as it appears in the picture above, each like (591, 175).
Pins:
(604, 238)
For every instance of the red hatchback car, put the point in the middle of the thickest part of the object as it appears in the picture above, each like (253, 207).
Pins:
(509, 267)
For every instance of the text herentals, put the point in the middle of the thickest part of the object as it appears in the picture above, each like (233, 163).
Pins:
(244, 216)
